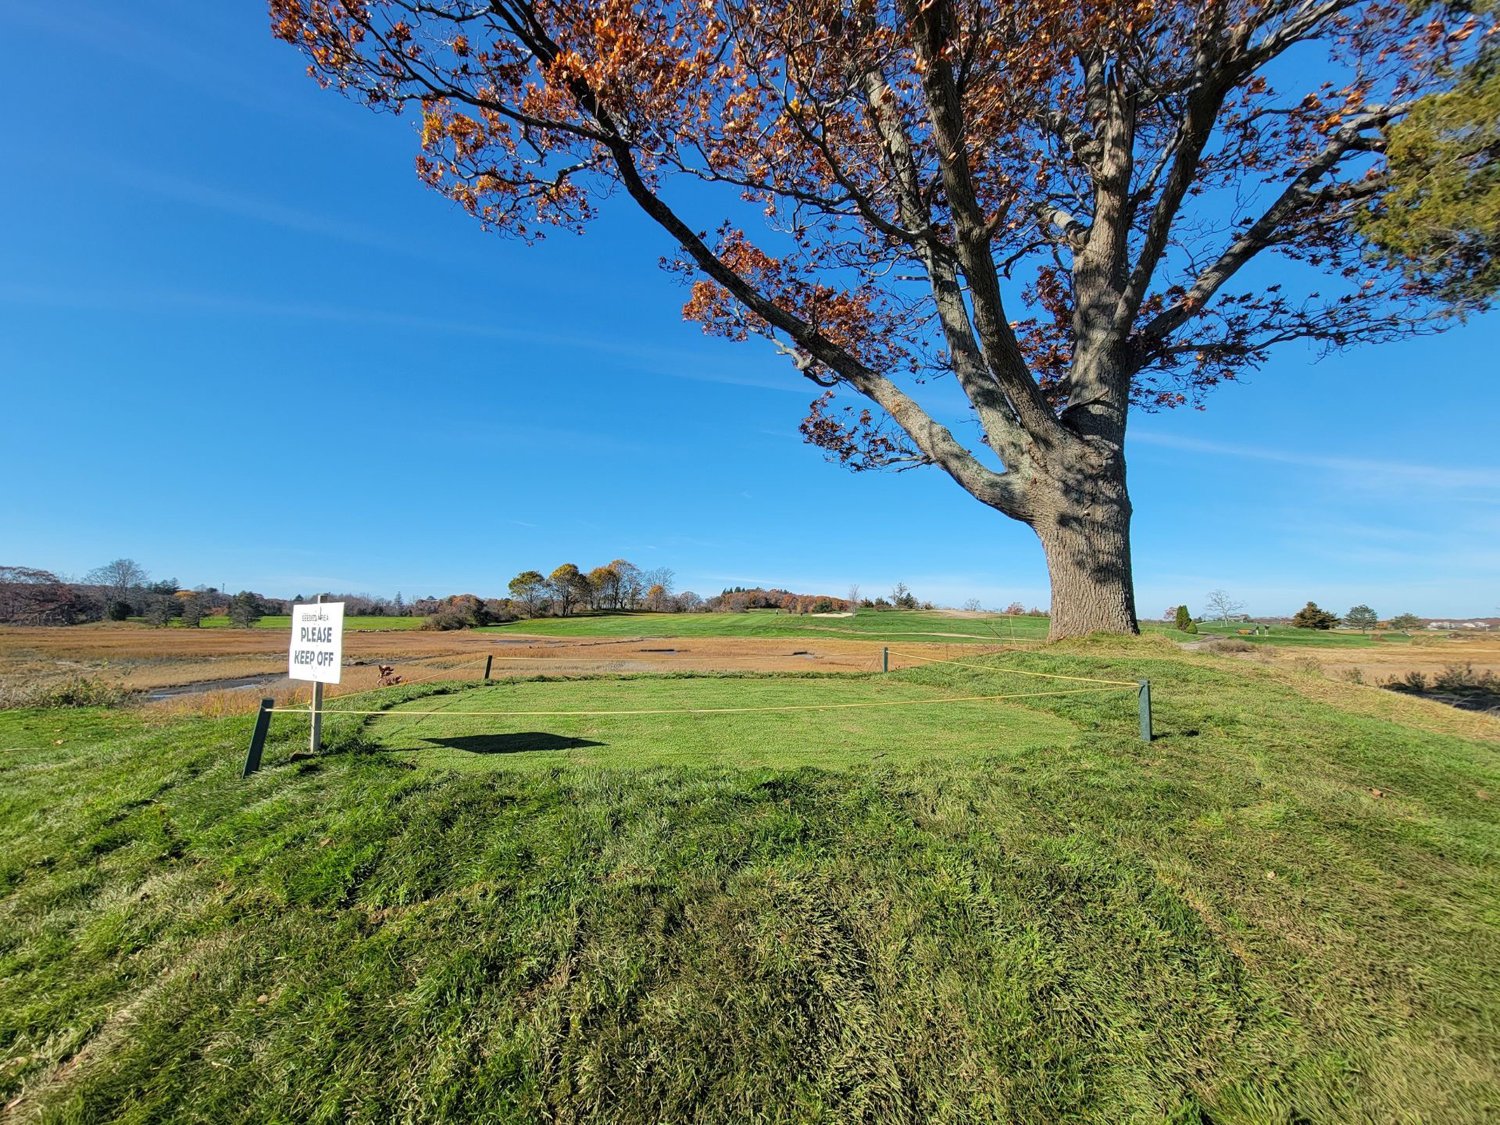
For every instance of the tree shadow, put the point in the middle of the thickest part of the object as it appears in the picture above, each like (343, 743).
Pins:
(518, 743)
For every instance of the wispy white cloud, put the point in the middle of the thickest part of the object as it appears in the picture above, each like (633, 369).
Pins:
(673, 363)
(214, 197)
(1373, 473)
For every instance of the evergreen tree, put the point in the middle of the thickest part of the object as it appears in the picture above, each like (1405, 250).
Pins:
(1439, 221)
(194, 606)
(1311, 617)
(245, 609)
(1406, 622)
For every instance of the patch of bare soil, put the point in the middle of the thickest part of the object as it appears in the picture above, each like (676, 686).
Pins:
(144, 659)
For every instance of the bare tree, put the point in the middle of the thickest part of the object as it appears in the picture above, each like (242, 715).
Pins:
(118, 581)
(1222, 605)
(632, 586)
(663, 576)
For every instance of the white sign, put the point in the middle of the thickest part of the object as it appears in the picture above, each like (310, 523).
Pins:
(317, 642)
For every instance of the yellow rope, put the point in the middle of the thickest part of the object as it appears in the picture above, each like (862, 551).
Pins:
(710, 710)
(1016, 671)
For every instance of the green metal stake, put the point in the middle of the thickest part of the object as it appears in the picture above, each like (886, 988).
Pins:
(1145, 704)
(885, 660)
(258, 739)
(488, 660)
(315, 736)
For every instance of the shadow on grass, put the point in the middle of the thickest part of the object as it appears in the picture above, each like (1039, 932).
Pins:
(517, 743)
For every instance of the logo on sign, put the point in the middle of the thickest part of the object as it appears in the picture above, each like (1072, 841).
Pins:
(317, 651)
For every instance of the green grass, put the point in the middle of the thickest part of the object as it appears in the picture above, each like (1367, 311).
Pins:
(889, 625)
(860, 728)
(1290, 635)
(1000, 912)
(351, 624)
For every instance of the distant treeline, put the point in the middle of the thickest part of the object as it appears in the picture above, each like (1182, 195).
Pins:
(122, 590)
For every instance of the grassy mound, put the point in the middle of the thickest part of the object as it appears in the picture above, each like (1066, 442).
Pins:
(1285, 908)
(780, 722)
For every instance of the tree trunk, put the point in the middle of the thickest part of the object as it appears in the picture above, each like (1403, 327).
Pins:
(1085, 534)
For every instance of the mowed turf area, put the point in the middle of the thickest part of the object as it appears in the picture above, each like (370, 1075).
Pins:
(1290, 635)
(926, 626)
(283, 622)
(917, 625)
(1286, 908)
(834, 722)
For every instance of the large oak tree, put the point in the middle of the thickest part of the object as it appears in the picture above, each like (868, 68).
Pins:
(1065, 207)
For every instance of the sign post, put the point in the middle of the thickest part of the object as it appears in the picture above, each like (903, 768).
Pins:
(317, 654)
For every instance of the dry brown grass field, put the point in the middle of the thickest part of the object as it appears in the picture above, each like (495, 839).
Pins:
(1424, 654)
(142, 659)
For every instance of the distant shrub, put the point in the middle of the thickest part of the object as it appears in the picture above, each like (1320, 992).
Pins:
(447, 619)
(1183, 619)
(1413, 683)
(902, 597)
(80, 691)
(1229, 644)
(1457, 685)
(499, 611)
(1462, 677)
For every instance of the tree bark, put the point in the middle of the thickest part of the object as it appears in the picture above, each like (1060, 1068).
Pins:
(1084, 527)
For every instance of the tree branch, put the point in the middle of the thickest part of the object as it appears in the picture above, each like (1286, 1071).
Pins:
(1002, 352)
(1263, 233)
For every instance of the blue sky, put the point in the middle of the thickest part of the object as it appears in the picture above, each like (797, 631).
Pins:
(241, 344)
